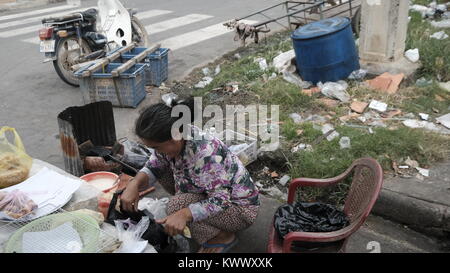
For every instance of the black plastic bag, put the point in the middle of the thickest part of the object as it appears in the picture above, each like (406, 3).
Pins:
(154, 234)
(308, 217)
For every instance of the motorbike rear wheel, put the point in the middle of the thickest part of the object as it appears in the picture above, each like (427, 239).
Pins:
(67, 51)
(139, 33)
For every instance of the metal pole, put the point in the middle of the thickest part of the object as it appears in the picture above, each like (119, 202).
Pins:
(287, 12)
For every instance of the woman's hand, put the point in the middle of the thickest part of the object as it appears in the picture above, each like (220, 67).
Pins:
(176, 222)
(130, 198)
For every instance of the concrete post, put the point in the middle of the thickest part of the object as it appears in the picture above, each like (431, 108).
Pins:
(382, 39)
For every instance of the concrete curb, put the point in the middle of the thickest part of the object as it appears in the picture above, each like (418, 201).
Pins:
(423, 216)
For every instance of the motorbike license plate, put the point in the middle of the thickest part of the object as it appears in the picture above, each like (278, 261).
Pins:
(47, 46)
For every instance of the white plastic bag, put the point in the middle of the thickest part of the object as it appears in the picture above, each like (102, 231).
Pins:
(154, 206)
(130, 235)
(335, 90)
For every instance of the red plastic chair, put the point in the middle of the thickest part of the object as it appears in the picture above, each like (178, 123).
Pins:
(366, 185)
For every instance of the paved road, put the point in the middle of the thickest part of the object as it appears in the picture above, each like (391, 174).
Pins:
(32, 95)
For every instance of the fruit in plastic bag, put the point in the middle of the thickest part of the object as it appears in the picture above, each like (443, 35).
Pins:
(17, 204)
(15, 164)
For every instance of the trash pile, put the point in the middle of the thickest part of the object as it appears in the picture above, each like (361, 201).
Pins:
(275, 178)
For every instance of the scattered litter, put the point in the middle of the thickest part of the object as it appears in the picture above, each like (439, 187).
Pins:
(349, 117)
(358, 106)
(444, 120)
(237, 148)
(283, 180)
(290, 75)
(311, 91)
(424, 172)
(206, 71)
(299, 132)
(412, 123)
(296, 118)
(386, 82)
(344, 142)
(378, 106)
(377, 123)
(301, 147)
(363, 119)
(422, 82)
(330, 103)
(282, 61)
(232, 87)
(391, 113)
(435, 110)
(335, 90)
(316, 119)
(410, 116)
(424, 116)
(273, 76)
(274, 174)
(358, 74)
(441, 24)
(425, 11)
(259, 185)
(370, 131)
(441, 35)
(237, 56)
(168, 98)
(217, 70)
(274, 191)
(403, 167)
(411, 163)
(204, 82)
(413, 55)
(262, 63)
(445, 85)
(327, 128)
(266, 170)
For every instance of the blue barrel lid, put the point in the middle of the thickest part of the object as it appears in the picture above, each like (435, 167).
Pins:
(320, 28)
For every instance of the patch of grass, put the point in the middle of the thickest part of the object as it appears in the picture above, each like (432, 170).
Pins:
(434, 54)
(425, 99)
(327, 159)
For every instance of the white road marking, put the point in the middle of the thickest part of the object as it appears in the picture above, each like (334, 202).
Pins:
(151, 13)
(198, 36)
(176, 22)
(34, 12)
(38, 18)
(25, 30)
(20, 31)
(33, 40)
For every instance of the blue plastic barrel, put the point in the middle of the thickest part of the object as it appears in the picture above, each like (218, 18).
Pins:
(325, 50)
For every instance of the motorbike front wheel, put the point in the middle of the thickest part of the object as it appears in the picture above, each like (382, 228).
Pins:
(139, 33)
(67, 52)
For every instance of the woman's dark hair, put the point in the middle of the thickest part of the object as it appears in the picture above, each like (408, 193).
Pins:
(155, 122)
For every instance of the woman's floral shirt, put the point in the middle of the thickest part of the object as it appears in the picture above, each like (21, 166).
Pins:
(207, 166)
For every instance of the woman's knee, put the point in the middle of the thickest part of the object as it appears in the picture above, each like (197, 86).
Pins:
(182, 200)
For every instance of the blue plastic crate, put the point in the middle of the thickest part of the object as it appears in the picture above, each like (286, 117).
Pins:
(158, 61)
(100, 85)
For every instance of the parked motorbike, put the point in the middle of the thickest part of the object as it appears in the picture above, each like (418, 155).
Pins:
(84, 36)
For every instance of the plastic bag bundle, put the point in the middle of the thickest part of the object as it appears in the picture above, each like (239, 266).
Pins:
(135, 154)
(16, 204)
(15, 164)
(130, 235)
(308, 217)
(154, 206)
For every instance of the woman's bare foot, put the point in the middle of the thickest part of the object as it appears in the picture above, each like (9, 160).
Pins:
(221, 238)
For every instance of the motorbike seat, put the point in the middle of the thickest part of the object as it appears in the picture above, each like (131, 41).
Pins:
(89, 14)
